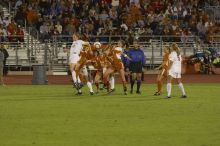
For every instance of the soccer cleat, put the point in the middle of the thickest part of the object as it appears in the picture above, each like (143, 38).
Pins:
(184, 96)
(125, 91)
(74, 85)
(168, 97)
(91, 93)
(79, 93)
(110, 91)
(138, 92)
(80, 85)
(157, 94)
(113, 90)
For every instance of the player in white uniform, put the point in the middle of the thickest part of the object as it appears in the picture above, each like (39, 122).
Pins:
(75, 50)
(174, 70)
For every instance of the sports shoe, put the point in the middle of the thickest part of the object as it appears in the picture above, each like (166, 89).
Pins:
(110, 91)
(184, 96)
(138, 92)
(125, 91)
(91, 93)
(113, 90)
(74, 85)
(157, 94)
(168, 96)
(80, 85)
(79, 93)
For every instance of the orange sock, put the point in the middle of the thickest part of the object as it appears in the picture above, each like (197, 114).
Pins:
(159, 86)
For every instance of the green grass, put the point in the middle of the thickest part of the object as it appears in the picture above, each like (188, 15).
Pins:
(54, 116)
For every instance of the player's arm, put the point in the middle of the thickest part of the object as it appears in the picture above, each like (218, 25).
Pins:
(86, 43)
(170, 64)
(159, 67)
(126, 56)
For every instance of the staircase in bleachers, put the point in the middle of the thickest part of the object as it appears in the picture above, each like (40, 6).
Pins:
(24, 54)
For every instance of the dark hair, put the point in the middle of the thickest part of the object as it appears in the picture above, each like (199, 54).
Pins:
(176, 48)
(136, 40)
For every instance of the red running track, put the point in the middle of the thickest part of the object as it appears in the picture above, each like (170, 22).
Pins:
(149, 78)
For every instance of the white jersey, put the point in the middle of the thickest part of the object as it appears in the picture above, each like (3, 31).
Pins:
(119, 54)
(75, 50)
(76, 47)
(175, 69)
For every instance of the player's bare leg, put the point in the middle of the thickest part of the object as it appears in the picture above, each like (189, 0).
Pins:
(169, 86)
(97, 79)
(160, 78)
(122, 74)
(106, 77)
(181, 87)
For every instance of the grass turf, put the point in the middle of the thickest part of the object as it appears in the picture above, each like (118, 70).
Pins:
(53, 116)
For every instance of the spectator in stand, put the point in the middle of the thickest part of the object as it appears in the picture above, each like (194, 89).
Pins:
(155, 15)
(58, 28)
(4, 31)
(20, 34)
(44, 31)
(12, 29)
(1, 32)
(20, 17)
(6, 21)
(4, 47)
(1, 18)
(32, 16)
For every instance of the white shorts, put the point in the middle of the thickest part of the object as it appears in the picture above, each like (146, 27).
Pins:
(175, 75)
(74, 58)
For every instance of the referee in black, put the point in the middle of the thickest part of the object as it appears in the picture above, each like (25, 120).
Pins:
(135, 65)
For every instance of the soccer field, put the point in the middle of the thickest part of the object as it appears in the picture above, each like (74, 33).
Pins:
(52, 115)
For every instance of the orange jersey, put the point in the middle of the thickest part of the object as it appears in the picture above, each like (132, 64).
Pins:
(165, 62)
(98, 62)
(114, 61)
(84, 56)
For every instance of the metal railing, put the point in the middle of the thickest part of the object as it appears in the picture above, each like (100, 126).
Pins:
(52, 53)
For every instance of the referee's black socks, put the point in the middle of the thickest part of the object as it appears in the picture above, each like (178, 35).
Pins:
(138, 85)
(132, 84)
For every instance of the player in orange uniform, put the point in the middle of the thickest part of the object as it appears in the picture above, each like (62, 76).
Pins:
(114, 64)
(163, 70)
(85, 55)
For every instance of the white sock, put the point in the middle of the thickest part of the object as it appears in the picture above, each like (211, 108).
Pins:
(78, 80)
(169, 87)
(74, 76)
(104, 69)
(89, 84)
(112, 82)
(182, 88)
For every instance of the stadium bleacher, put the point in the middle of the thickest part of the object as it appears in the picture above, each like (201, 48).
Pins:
(157, 20)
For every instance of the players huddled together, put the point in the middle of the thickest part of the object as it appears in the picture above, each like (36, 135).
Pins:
(97, 63)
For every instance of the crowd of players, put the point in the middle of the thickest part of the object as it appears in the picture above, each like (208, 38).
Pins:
(106, 60)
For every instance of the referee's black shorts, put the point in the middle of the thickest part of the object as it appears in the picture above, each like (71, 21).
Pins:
(135, 67)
